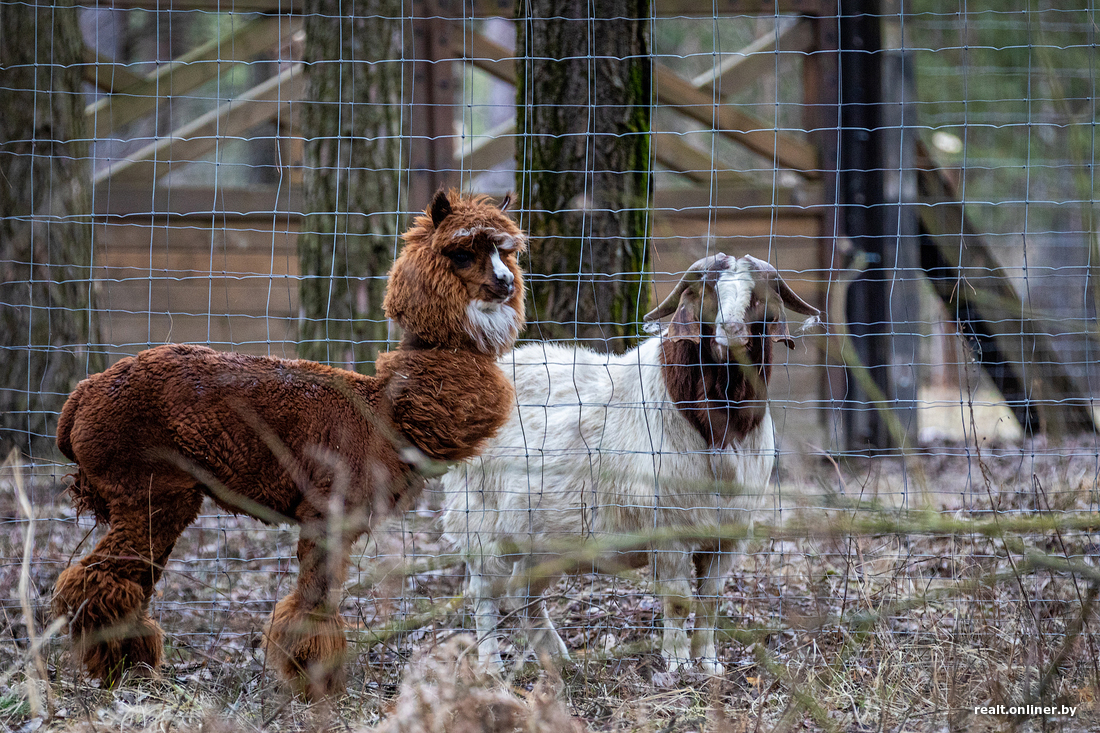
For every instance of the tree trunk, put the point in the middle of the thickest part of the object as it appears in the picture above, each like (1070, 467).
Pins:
(47, 322)
(352, 124)
(584, 96)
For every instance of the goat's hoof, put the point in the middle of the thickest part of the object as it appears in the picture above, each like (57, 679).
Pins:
(712, 667)
(548, 642)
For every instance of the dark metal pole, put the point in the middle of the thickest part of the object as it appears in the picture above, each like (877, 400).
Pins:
(862, 214)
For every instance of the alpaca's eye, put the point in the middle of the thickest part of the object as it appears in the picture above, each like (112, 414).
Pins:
(461, 258)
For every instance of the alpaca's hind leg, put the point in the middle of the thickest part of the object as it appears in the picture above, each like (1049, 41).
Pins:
(106, 595)
(304, 640)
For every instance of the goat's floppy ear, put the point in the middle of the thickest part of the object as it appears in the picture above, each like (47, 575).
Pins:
(686, 321)
(440, 207)
(777, 330)
(506, 202)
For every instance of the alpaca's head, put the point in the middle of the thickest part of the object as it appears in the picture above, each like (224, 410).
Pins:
(457, 282)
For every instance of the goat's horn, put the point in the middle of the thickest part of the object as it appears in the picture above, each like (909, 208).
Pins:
(788, 296)
(693, 274)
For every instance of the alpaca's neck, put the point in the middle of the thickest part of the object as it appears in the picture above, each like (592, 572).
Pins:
(446, 402)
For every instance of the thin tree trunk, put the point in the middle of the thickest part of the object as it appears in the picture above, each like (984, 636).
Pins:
(352, 124)
(583, 101)
(47, 322)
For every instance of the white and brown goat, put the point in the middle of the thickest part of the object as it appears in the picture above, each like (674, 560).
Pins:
(674, 435)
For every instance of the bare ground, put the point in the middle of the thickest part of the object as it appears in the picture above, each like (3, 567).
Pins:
(907, 630)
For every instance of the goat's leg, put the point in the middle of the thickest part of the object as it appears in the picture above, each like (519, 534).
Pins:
(712, 569)
(672, 567)
(304, 640)
(106, 595)
(527, 585)
(486, 615)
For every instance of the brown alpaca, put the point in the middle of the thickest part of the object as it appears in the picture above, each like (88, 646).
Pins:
(285, 440)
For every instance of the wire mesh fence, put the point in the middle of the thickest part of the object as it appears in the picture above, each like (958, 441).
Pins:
(903, 537)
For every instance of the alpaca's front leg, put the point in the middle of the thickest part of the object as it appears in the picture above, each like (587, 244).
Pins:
(304, 640)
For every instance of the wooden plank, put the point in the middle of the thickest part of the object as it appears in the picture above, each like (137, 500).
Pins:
(971, 281)
(200, 136)
(783, 148)
(672, 152)
(726, 8)
(117, 201)
(210, 6)
(105, 74)
(738, 70)
(500, 8)
(136, 331)
(189, 71)
(191, 296)
(739, 203)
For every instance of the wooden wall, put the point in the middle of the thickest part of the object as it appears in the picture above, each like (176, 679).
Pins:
(233, 286)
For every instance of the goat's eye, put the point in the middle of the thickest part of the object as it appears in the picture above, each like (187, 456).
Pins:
(461, 258)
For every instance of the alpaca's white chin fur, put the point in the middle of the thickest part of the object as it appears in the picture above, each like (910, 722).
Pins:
(492, 326)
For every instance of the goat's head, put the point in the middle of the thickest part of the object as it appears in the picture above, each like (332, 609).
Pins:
(721, 303)
(457, 281)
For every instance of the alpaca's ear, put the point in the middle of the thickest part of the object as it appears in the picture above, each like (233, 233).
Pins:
(440, 207)
(506, 202)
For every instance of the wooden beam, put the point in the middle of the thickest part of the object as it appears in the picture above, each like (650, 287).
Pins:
(783, 148)
(189, 71)
(200, 136)
(487, 55)
(738, 70)
(105, 74)
(484, 152)
(979, 293)
(672, 152)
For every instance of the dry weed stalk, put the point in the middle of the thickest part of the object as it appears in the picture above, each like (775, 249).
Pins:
(36, 671)
(445, 692)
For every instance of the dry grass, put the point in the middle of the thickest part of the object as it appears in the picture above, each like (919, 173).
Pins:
(906, 630)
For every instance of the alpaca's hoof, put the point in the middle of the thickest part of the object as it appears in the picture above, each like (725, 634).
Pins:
(307, 648)
(110, 629)
(134, 646)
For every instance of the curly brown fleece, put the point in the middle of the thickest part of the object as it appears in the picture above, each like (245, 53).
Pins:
(283, 440)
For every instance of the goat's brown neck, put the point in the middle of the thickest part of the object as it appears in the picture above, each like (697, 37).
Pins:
(723, 401)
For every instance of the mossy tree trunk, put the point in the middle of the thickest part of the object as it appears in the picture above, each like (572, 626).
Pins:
(584, 93)
(352, 125)
(47, 323)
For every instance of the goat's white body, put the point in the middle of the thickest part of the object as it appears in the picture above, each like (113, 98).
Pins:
(597, 448)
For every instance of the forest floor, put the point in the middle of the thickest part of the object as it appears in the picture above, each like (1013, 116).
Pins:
(886, 594)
